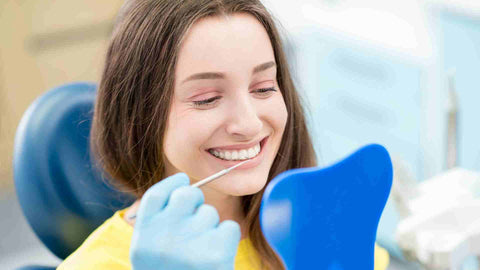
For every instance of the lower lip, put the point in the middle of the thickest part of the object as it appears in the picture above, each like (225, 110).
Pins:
(253, 162)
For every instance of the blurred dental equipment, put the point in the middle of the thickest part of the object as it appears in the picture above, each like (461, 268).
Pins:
(209, 179)
(452, 125)
(441, 226)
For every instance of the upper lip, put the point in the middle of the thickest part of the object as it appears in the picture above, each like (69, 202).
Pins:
(238, 146)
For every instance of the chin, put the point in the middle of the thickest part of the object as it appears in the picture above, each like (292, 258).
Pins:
(245, 188)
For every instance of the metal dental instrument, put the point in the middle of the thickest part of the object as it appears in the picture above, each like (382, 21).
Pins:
(218, 174)
(208, 179)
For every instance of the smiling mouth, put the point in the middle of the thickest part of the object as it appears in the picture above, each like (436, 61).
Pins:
(238, 154)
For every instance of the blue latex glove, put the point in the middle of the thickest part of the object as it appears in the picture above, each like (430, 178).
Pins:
(176, 230)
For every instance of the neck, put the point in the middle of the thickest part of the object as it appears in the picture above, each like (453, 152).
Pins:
(228, 208)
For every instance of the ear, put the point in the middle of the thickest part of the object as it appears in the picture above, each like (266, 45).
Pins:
(328, 217)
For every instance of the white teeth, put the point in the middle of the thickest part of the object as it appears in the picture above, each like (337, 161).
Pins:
(237, 155)
(243, 154)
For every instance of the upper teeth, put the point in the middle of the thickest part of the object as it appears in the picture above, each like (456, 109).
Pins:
(237, 154)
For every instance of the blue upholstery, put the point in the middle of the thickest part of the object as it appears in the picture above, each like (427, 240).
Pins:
(327, 218)
(61, 192)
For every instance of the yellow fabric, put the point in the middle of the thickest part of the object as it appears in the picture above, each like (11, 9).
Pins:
(108, 248)
(381, 258)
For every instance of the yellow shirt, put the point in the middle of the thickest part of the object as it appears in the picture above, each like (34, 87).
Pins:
(108, 247)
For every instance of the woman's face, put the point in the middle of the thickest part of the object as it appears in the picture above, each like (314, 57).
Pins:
(226, 106)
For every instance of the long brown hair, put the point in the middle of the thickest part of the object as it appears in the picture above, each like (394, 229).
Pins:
(136, 88)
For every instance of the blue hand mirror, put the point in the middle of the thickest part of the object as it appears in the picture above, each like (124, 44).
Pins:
(327, 218)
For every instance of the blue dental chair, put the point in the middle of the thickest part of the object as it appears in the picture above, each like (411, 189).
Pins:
(61, 191)
(322, 217)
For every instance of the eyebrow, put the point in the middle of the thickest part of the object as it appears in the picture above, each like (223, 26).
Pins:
(220, 75)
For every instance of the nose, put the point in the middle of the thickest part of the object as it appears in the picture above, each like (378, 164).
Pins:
(244, 120)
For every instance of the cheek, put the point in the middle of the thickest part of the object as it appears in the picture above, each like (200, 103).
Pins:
(277, 114)
(188, 130)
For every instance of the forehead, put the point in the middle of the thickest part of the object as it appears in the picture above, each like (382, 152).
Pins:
(236, 43)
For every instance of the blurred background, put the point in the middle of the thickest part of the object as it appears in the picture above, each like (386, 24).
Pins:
(405, 74)
(43, 44)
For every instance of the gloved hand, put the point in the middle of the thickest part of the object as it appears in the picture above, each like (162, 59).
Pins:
(175, 230)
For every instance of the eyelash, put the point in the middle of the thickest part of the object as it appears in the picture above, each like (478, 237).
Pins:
(209, 101)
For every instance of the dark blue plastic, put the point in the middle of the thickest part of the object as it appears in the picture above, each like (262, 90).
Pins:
(327, 218)
(36, 267)
(59, 187)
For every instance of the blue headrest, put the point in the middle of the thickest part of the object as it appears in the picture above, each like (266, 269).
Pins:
(63, 194)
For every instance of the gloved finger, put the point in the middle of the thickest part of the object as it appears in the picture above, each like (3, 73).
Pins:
(185, 200)
(229, 233)
(156, 197)
(206, 218)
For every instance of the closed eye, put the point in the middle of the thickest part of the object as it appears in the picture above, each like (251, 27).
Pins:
(265, 92)
(205, 102)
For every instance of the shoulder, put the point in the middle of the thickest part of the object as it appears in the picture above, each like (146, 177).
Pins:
(106, 248)
(247, 257)
(382, 258)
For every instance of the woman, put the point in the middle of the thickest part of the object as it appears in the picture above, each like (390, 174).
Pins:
(193, 86)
